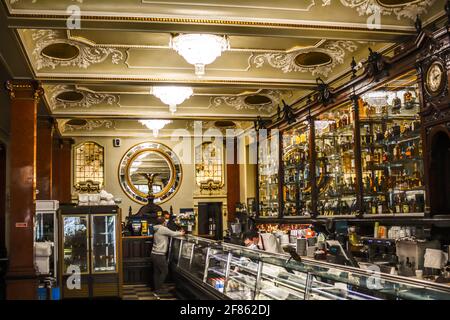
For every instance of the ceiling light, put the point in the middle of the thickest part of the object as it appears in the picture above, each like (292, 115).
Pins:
(200, 49)
(172, 95)
(155, 125)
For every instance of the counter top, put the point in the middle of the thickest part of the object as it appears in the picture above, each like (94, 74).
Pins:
(137, 237)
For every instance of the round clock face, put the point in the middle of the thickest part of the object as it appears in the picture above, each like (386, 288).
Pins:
(435, 78)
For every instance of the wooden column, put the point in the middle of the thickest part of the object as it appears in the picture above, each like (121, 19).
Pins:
(21, 280)
(233, 183)
(2, 200)
(62, 164)
(44, 158)
(357, 104)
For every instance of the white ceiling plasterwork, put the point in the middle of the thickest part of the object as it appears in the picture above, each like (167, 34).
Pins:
(89, 125)
(402, 10)
(87, 56)
(239, 102)
(89, 98)
(286, 61)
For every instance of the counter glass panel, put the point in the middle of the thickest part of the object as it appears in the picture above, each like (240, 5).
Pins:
(75, 243)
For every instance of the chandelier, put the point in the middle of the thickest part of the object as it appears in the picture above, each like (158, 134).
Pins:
(200, 49)
(155, 125)
(172, 95)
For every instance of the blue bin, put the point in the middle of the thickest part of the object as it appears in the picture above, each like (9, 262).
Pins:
(56, 294)
(42, 293)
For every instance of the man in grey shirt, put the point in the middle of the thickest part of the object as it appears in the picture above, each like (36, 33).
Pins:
(159, 252)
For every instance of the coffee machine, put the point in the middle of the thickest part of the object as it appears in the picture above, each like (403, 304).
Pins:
(381, 252)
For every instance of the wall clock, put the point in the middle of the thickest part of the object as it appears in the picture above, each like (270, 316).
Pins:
(435, 78)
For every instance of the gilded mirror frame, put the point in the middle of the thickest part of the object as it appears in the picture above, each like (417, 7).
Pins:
(167, 154)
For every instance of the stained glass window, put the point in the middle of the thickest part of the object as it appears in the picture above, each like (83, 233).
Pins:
(89, 166)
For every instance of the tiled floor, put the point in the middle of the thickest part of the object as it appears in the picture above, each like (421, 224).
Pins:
(142, 292)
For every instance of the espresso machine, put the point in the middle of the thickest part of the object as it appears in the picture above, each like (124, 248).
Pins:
(381, 252)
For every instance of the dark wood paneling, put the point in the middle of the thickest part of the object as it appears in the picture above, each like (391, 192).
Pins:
(137, 266)
(62, 164)
(44, 159)
(2, 200)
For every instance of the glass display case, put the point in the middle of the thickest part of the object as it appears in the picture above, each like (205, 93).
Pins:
(237, 273)
(268, 171)
(104, 251)
(296, 168)
(391, 149)
(75, 245)
(335, 162)
(90, 243)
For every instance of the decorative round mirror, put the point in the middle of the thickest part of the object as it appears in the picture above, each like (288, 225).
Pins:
(153, 167)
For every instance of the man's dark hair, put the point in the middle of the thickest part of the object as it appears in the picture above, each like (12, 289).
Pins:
(250, 235)
(159, 220)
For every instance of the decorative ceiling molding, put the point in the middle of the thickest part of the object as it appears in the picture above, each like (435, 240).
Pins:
(286, 61)
(87, 55)
(239, 102)
(89, 98)
(88, 125)
(408, 10)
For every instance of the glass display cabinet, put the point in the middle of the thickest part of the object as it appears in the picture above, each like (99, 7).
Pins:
(335, 162)
(234, 272)
(391, 149)
(379, 173)
(268, 172)
(296, 168)
(90, 252)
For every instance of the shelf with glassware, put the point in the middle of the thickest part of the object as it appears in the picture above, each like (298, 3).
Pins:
(296, 166)
(378, 174)
(335, 162)
(268, 177)
(391, 153)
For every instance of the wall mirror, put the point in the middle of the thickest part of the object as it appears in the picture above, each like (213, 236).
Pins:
(147, 160)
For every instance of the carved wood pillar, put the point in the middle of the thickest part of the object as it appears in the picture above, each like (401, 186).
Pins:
(21, 277)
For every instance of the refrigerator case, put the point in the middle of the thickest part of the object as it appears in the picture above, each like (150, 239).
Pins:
(90, 245)
(234, 272)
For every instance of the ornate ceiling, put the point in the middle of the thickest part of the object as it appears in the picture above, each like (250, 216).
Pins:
(103, 72)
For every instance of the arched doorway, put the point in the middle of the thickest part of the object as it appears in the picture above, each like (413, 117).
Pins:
(440, 173)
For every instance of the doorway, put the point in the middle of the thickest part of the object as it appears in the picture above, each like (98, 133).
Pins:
(440, 173)
(210, 220)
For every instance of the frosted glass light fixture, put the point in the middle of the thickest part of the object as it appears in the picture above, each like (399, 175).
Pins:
(155, 125)
(172, 95)
(200, 49)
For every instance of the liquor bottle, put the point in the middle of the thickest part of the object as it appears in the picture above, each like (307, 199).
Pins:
(374, 206)
(398, 208)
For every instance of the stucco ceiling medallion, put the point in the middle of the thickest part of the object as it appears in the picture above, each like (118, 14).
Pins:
(288, 62)
(87, 55)
(265, 100)
(87, 125)
(83, 99)
(400, 8)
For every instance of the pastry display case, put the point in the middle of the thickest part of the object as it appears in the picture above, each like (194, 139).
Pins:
(296, 168)
(268, 175)
(234, 272)
(90, 251)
